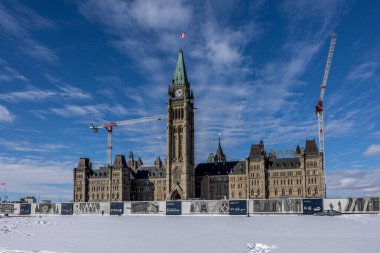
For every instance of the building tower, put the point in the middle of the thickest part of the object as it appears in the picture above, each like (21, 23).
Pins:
(180, 178)
(81, 180)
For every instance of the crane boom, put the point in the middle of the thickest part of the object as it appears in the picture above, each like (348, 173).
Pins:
(109, 126)
(319, 107)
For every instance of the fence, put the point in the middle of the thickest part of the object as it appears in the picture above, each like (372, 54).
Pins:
(199, 207)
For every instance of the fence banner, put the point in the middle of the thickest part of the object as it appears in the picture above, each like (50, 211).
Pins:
(353, 205)
(146, 207)
(45, 208)
(276, 206)
(173, 208)
(311, 206)
(205, 207)
(67, 208)
(25, 209)
(91, 208)
(238, 207)
(6, 208)
(116, 208)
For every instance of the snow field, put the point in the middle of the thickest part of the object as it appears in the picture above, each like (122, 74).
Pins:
(257, 234)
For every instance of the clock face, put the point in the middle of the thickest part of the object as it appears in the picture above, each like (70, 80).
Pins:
(178, 93)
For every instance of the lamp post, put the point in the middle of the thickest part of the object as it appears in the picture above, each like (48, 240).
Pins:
(247, 188)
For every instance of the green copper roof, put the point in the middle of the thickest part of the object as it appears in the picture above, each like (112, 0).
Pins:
(180, 76)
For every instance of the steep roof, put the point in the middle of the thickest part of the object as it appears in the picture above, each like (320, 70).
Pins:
(311, 148)
(180, 76)
(220, 168)
(220, 156)
(284, 163)
(149, 172)
(84, 164)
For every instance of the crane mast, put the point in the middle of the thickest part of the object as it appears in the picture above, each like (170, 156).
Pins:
(319, 107)
(109, 127)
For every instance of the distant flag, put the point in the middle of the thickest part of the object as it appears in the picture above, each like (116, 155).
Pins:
(3, 184)
(183, 35)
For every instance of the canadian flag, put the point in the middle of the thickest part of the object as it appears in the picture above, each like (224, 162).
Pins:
(183, 35)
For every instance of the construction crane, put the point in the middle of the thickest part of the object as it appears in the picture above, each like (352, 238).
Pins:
(109, 126)
(319, 107)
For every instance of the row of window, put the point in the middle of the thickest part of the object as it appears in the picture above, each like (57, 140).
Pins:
(256, 167)
(284, 174)
(285, 182)
(311, 163)
(102, 196)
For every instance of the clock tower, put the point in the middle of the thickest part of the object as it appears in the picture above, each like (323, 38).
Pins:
(180, 176)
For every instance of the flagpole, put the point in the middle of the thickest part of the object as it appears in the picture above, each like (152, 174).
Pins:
(5, 192)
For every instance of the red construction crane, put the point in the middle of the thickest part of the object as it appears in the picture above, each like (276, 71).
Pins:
(109, 126)
(319, 107)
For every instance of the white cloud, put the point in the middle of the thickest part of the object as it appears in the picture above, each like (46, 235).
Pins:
(35, 176)
(372, 150)
(90, 111)
(364, 71)
(353, 182)
(6, 115)
(35, 94)
(168, 14)
(8, 74)
(18, 21)
(25, 146)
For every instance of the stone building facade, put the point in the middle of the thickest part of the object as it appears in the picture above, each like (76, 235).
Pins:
(261, 175)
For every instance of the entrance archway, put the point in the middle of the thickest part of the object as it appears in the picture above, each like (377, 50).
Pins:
(176, 195)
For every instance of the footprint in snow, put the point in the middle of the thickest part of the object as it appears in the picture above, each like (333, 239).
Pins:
(259, 248)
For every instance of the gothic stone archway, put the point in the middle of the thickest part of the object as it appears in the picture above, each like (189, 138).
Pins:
(175, 195)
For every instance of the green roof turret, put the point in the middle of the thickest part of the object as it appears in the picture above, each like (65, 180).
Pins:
(180, 76)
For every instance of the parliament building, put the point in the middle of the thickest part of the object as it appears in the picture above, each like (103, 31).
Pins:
(261, 175)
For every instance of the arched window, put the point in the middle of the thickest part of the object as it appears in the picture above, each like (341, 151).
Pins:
(299, 191)
(240, 194)
(309, 191)
(283, 192)
(258, 192)
(275, 192)
(252, 193)
(316, 190)
(177, 175)
(290, 192)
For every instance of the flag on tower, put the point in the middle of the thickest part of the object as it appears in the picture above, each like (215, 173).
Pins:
(183, 35)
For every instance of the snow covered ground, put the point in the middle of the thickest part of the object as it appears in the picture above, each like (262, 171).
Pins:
(257, 234)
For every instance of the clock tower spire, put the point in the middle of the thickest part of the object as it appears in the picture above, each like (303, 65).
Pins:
(180, 176)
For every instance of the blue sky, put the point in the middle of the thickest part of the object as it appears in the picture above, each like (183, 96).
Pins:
(255, 68)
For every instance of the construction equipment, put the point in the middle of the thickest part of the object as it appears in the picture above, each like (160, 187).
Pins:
(319, 107)
(109, 126)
